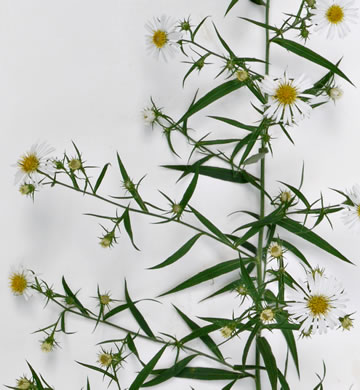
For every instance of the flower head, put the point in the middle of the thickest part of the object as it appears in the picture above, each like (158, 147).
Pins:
(48, 344)
(28, 188)
(346, 322)
(227, 330)
(74, 164)
(334, 16)
(319, 306)
(163, 37)
(105, 359)
(242, 75)
(149, 116)
(286, 102)
(23, 383)
(285, 196)
(275, 250)
(351, 213)
(32, 162)
(267, 316)
(21, 280)
(335, 93)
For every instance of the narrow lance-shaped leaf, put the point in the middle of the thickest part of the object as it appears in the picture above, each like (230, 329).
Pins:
(207, 373)
(269, 360)
(232, 3)
(73, 297)
(196, 65)
(170, 372)
(137, 315)
(179, 253)
(116, 310)
(105, 373)
(207, 274)
(210, 226)
(310, 55)
(206, 339)
(263, 25)
(215, 94)
(128, 228)
(36, 378)
(146, 371)
(251, 143)
(225, 45)
(101, 177)
(189, 191)
(305, 233)
(235, 123)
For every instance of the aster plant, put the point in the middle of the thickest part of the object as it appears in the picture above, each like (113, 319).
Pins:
(271, 299)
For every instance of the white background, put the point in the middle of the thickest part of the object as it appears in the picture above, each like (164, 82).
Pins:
(78, 70)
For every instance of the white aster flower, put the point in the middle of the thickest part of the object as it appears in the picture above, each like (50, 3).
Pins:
(163, 37)
(20, 281)
(351, 213)
(319, 306)
(285, 98)
(34, 161)
(334, 16)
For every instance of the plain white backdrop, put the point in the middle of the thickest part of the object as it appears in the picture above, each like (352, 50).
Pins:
(78, 70)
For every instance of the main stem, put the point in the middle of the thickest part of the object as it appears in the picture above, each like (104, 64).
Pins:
(259, 268)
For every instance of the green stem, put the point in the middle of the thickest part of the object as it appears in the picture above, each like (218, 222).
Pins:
(260, 255)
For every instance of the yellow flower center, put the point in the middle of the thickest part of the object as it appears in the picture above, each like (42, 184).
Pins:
(267, 315)
(358, 210)
(286, 94)
(18, 283)
(276, 251)
(74, 164)
(318, 304)
(159, 39)
(29, 163)
(105, 299)
(105, 359)
(335, 14)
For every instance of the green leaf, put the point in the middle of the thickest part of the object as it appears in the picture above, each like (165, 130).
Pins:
(254, 158)
(249, 341)
(71, 295)
(189, 191)
(229, 385)
(235, 123)
(123, 172)
(207, 373)
(225, 45)
(293, 250)
(198, 27)
(137, 315)
(239, 177)
(310, 55)
(170, 372)
(146, 371)
(269, 360)
(218, 141)
(232, 3)
(308, 235)
(105, 373)
(215, 94)
(208, 274)
(195, 65)
(298, 193)
(263, 25)
(101, 177)
(258, 2)
(116, 310)
(179, 253)
(199, 332)
(253, 138)
(127, 225)
(37, 380)
(206, 339)
(283, 382)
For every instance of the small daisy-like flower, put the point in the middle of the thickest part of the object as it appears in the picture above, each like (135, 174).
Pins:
(23, 383)
(351, 213)
(267, 316)
(334, 16)
(21, 281)
(149, 116)
(105, 299)
(319, 306)
(105, 359)
(346, 322)
(286, 102)
(163, 37)
(32, 162)
(74, 164)
(335, 93)
(275, 250)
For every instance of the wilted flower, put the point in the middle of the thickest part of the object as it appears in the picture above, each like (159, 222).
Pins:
(48, 344)
(149, 116)
(334, 16)
(163, 37)
(242, 75)
(320, 305)
(105, 359)
(74, 164)
(28, 188)
(276, 250)
(335, 93)
(285, 196)
(267, 316)
(346, 322)
(23, 383)
(227, 330)
(286, 95)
